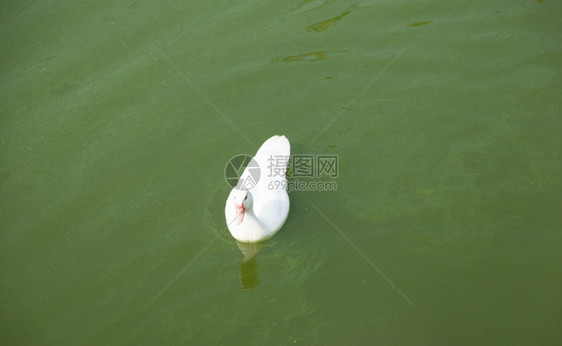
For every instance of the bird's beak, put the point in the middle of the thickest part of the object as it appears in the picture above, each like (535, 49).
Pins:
(240, 213)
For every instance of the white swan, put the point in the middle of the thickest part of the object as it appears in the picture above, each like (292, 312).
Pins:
(255, 211)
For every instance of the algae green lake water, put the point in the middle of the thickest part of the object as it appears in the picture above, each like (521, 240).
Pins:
(117, 119)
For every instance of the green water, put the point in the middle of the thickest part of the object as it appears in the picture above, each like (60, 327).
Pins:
(118, 117)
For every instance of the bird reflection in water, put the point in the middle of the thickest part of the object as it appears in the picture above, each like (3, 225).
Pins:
(249, 266)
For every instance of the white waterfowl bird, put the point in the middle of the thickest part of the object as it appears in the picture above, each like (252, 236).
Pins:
(258, 205)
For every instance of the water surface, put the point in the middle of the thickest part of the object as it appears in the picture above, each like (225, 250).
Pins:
(118, 118)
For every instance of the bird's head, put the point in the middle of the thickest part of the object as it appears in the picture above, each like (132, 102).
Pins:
(242, 201)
